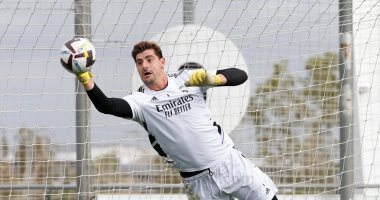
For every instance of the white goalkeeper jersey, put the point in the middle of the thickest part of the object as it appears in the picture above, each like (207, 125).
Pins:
(182, 124)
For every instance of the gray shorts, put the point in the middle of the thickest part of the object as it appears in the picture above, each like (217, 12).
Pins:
(233, 177)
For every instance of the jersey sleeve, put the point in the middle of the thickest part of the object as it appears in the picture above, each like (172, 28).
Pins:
(136, 109)
(114, 106)
(234, 76)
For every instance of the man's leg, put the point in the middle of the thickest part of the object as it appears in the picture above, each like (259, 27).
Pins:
(203, 187)
(255, 184)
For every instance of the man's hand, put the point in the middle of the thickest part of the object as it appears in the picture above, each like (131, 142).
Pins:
(201, 77)
(82, 73)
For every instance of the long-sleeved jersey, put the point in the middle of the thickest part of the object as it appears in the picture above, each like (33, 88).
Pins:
(181, 123)
(178, 121)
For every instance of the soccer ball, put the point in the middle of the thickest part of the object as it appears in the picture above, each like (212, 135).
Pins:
(77, 55)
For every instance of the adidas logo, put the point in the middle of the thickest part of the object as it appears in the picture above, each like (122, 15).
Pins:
(267, 190)
(154, 99)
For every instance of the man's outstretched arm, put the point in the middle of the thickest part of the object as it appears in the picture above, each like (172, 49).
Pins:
(232, 76)
(223, 77)
(114, 106)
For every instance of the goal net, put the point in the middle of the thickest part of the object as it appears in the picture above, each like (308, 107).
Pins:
(302, 97)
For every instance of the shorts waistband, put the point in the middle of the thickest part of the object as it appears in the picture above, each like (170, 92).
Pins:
(190, 174)
(194, 173)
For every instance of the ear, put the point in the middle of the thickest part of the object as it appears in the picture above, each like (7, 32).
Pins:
(162, 61)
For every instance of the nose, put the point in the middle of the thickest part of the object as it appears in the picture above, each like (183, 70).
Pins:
(145, 64)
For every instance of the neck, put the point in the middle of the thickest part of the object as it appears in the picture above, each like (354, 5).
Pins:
(160, 85)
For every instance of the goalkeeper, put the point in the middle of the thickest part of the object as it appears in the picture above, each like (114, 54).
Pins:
(172, 109)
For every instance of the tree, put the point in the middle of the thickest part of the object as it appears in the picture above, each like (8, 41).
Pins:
(23, 152)
(295, 120)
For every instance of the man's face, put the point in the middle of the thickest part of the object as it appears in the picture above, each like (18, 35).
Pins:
(150, 67)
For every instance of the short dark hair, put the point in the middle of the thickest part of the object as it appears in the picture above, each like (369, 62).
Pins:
(145, 45)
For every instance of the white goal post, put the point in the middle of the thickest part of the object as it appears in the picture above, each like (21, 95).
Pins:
(307, 116)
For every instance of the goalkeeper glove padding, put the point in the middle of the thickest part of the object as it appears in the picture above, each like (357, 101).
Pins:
(201, 77)
(84, 77)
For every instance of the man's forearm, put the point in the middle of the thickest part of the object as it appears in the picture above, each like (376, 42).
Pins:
(233, 76)
(114, 106)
